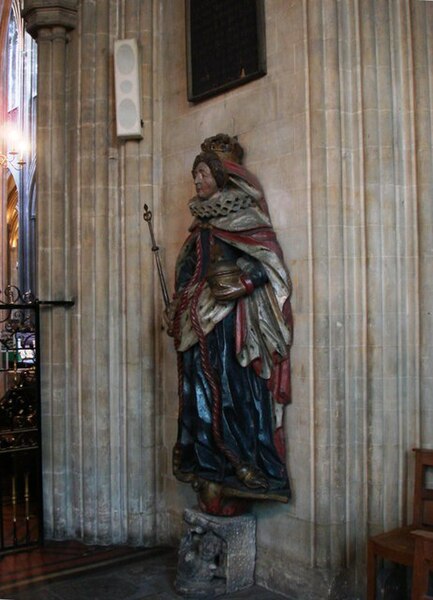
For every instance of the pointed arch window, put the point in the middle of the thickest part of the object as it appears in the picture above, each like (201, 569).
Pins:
(18, 86)
(14, 69)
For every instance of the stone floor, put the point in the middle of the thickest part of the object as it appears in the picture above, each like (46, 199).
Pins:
(148, 579)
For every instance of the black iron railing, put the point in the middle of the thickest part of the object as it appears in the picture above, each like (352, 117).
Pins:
(21, 507)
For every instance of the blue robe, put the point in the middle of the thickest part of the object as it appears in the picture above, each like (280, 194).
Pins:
(234, 425)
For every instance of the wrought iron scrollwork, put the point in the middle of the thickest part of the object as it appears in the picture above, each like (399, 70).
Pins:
(19, 400)
(13, 295)
(21, 514)
(19, 413)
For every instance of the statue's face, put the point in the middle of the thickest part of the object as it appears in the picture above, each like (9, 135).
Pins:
(205, 184)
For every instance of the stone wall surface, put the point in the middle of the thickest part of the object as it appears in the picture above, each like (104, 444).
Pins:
(339, 132)
(98, 357)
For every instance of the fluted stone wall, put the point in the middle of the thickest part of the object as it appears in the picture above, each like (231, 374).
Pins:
(111, 270)
(339, 133)
(98, 357)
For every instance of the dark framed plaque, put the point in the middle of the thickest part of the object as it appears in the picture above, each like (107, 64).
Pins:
(226, 45)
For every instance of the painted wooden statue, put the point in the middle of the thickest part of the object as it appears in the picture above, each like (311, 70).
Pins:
(231, 322)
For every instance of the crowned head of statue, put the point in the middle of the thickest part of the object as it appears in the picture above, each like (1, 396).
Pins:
(226, 147)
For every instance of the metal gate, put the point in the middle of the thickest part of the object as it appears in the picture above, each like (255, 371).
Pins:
(20, 422)
(21, 509)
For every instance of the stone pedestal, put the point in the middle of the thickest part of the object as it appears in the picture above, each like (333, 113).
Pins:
(216, 555)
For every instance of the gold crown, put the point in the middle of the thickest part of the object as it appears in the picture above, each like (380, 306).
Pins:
(224, 146)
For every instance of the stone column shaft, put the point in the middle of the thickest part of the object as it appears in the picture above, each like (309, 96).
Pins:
(98, 373)
(49, 22)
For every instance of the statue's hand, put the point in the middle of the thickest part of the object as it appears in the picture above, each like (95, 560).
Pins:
(228, 290)
(225, 281)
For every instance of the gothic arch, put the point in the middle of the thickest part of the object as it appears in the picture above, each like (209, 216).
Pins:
(17, 109)
(13, 230)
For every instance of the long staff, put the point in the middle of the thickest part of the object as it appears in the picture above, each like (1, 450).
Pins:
(147, 216)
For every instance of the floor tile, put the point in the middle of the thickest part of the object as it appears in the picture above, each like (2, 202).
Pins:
(150, 578)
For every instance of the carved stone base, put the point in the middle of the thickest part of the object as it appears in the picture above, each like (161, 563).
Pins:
(216, 555)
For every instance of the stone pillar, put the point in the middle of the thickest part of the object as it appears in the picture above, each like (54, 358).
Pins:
(98, 386)
(49, 23)
(42, 14)
(5, 6)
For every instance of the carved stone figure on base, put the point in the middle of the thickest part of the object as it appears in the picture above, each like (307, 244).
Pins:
(216, 555)
(231, 322)
(199, 572)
